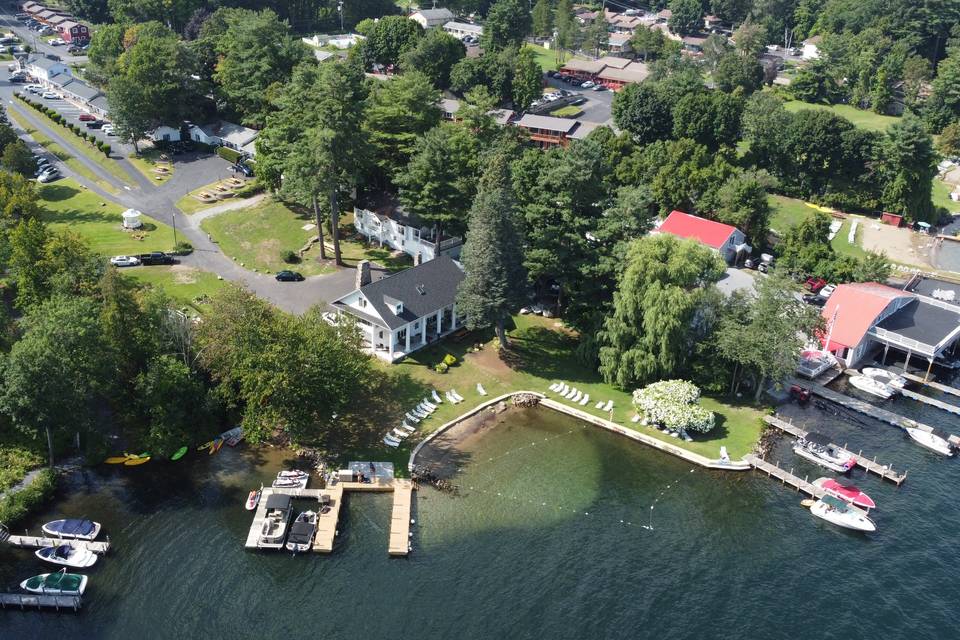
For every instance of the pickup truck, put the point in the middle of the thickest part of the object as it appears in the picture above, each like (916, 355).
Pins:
(156, 257)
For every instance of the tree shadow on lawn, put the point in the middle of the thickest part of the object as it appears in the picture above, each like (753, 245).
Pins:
(549, 354)
(57, 192)
(719, 431)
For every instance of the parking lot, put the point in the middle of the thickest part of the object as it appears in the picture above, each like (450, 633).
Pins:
(72, 113)
(598, 103)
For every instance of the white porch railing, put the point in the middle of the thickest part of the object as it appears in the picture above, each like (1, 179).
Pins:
(902, 341)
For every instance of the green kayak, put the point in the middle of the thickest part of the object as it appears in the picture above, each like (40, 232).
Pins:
(179, 453)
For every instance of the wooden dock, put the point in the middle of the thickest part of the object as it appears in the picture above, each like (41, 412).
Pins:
(867, 409)
(784, 476)
(39, 601)
(945, 388)
(933, 402)
(327, 522)
(41, 542)
(872, 466)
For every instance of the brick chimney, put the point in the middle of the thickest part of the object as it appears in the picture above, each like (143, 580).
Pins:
(363, 273)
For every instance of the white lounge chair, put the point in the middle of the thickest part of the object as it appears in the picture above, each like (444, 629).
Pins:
(564, 389)
(481, 390)
(436, 397)
(426, 407)
(392, 442)
(635, 418)
(399, 435)
(420, 413)
(450, 398)
(571, 393)
(576, 397)
(608, 406)
(555, 387)
(599, 405)
(429, 405)
(406, 428)
(583, 402)
(411, 418)
(456, 395)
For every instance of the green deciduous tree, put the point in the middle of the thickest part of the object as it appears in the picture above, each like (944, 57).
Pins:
(653, 323)
(712, 119)
(644, 111)
(174, 400)
(743, 202)
(542, 18)
(687, 16)
(492, 257)
(949, 142)
(507, 24)
(18, 158)
(389, 40)
(527, 80)
(434, 56)
(738, 71)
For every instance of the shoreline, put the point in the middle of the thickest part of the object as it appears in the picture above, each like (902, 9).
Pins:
(474, 428)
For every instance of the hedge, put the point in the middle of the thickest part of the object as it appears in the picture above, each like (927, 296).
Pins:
(17, 506)
(230, 155)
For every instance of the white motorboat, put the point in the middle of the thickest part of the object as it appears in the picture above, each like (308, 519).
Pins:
(72, 528)
(302, 531)
(936, 440)
(872, 386)
(888, 378)
(60, 583)
(68, 554)
(274, 529)
(294, 479)
(836, 511)
(816, 447)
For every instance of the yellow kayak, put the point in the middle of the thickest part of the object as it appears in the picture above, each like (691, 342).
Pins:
(117, 459)
(132, 462)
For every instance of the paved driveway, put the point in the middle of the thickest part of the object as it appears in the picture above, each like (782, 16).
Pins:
(737, 280)
(597, 107)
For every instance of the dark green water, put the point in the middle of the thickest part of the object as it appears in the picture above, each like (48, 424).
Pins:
(547, 540)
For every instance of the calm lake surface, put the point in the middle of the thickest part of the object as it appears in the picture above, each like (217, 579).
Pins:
(550, 538)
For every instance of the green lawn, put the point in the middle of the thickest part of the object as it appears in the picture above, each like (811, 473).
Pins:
(544, 354)
(859, 117)
(257, 236)
(941, 196)
(840, 241)
(188, 287)
(83, 146)
(568, 111)
(147, 162)
(67, 204)
(189, 204)
(546, 57)
(787, 212)
(60, 153)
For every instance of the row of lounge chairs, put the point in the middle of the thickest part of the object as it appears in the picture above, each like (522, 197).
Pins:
(421, 412)
(578, 397)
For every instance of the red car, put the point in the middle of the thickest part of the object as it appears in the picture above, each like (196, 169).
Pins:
(814, 285)
(86, 117)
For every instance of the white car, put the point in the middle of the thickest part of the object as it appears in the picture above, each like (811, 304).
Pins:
(587, 85)
(124, 261)
(34, 88)
(49, 175)
(50, 95)
(827, 291)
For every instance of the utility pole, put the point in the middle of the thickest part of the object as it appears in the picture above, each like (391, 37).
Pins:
(340, 11)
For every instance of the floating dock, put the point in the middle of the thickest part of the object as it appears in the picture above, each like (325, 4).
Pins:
(945, 388)
(867, 409)
(884, 471)
(327, 522)
(38, 542)
(39, 601)
(784, 476)
(933, 402)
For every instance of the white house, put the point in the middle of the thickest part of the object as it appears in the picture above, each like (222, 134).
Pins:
(810, 50)
(226, 134)
(401, 232)
(430, 18)
(463, 29)
(405, 311)
(341, 41)
(45, 70)
(163, 133)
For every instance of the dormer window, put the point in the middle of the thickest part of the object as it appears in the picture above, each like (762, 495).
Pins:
(395, 306)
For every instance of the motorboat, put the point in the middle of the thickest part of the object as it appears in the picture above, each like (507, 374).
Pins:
(836, 511)
(936, 440)
(872, 386)
(254, 498)
(60, 583)
(294, 479)
(888, 378)
(72, 528)
(274, 529)
(816, 447)
(301, 532)
(846, 492)
(68, 555)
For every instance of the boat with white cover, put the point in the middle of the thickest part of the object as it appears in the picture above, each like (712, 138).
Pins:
(817, 448)
(60, 583)
(937, 440)
(68, 555)
(888, 378)
(872, 386)
(301, 532)
(836, 511)
(274, 529)
(72, 528)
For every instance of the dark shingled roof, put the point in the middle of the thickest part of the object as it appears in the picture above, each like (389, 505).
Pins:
(423, 289)
(922, 321)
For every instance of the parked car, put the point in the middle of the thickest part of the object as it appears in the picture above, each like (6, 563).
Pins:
(289, 276)
(827, 291)
(86, 117)
(94, 124)
(42, 163)
(814, 285)
(108, 129)
(243, 168)
(50, 95)
(588, 84)
(49, 175)
(552, 74)
(74, 50)
(600, 87)
(814, 299)
(124, 261)
(56, 42)
(575, 82)
(18, 78)
(34, 88)
(155, 257)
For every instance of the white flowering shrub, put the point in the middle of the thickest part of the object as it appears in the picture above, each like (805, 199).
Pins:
(672, 403)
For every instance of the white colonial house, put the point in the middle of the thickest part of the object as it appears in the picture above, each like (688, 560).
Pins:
(46, 71)
(405, 311)
(430, 18)
(402, 233)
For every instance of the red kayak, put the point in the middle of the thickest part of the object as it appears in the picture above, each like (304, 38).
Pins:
(846, 492)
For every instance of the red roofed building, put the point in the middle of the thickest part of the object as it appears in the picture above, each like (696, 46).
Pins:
(726, 239)
(853, 310)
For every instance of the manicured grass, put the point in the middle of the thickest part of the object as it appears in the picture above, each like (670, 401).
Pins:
(83, 146)
(257, 236)
(189, 204)
(60, 153)
(788, 212)
(547, 58)
(544, 353)
(147, 162)
(941, 196)
(841, 244)
(68, 205)
(859, 117)
(568, 111)
(188, 287)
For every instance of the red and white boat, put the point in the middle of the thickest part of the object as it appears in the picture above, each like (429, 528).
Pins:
(846, 492)
(254, 498)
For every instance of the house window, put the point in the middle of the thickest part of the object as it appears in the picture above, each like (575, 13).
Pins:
(402, 335)
(363, 302)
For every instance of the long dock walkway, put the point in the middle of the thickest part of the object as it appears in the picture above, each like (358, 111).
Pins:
(933, 402)
(786, 477)
(400, 518)
(872, 466)
(39, 601)
(41, 542)
(945, 388)
(867, 409)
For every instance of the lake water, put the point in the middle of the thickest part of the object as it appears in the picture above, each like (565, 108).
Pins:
(552, 536)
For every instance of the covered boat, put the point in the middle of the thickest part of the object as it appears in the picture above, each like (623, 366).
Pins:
(888, 378)
(274, 529)
(846, 492)
(301, 532)
(836, 511)
(60, 583)
(68, 555)
(872, 386)
(936, 440)
(294, 479)
(816, 447)
(73, 528)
